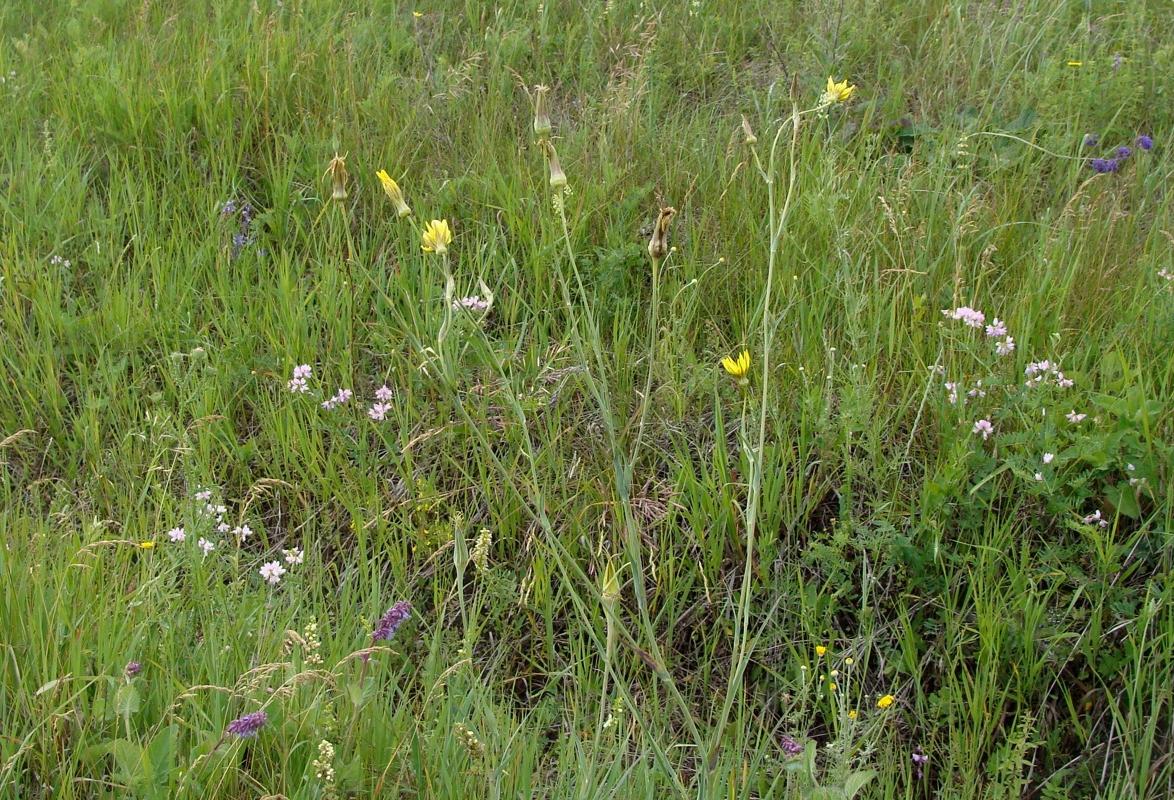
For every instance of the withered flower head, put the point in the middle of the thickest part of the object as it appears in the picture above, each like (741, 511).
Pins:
(558, 178)
(541, 118)
(658, 245)
(336, 169)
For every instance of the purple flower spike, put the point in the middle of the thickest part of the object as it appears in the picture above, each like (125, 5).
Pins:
(791, 747)
(247, 726)
(1145, 142)
(1124, 152)
(919, 761)
(1103, 165)
(389, 623)
(132, 669)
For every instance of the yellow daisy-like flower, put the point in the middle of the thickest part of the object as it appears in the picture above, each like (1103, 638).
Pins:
(820, 650)
(394, 193)
(739, 368)
(147, 545)
(885, 701)
(436, 237)
(853, 714)
(837, 92)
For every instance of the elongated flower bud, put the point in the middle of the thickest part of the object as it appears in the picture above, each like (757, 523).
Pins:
(558, 178)
(658, 245)
(609, 590)
(541, 118)
(394, 193)
(748, 136)
(337, 172)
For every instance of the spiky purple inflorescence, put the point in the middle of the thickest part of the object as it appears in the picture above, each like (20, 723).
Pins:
(1103, 165)
(389, 623)
(132, 669)
(791, 747)
(247, 726)
(1145, 142)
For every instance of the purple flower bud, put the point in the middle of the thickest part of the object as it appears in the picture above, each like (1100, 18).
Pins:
(1145, 142)
(1103, 165)
(132, 669)
(247, 726)
(1091, 139)
(1124, 152)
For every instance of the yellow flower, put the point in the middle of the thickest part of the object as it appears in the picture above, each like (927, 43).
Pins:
(820, 650)
(147, 545)
(394, 193)
(885, 701)
(1076, 63)
(417, 14)
(739, 369)
(832, 687)
(849, 661)
(436, 237)
(837, 92)
(853, 714)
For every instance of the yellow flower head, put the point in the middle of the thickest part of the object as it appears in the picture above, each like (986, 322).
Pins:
(849, 661)
(837, 92)
(739, 369)
(853, 714)
(436, 237)
(820, 650)
(394, 193)
(885, 701)
(147, 545)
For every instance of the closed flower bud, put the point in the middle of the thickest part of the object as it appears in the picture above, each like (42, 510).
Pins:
(541, 118)
(558, 178)
(658, 244)
(610, 587)
(394, 193)
(337, 172)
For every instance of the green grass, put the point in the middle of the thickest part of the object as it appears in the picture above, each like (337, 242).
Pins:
(665, 549)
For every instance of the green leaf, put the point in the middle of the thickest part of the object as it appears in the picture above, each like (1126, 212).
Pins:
(857, 781)
(127, 700)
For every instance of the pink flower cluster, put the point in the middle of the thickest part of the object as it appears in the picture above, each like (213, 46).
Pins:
(976, 319)
(339, 399)
(297, 384)
(1095, 518)
(1040, 372)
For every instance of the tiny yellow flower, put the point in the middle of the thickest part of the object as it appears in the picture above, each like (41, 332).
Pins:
(832, 687)
(853, 714)
(837, 92)
(740, 369)
(885, 701)
(820, 650)
(417, 14)
(394, 193)
(835, 673)
(1076, 63)
(436, 237)
(849, 661)
(147, 545)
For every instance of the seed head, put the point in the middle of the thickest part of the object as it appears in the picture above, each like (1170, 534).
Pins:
(336, 169)
(658, 245)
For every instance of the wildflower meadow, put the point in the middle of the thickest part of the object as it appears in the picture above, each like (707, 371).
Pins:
(586, 399)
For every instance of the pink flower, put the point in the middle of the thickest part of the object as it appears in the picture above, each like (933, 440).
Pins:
(383, 394)
(966, 314)
(302, 371)
(223, 527)
(339, 399)
(378, 411)
(272, 572)
(176, 534)
(298, 386)
(1075, 418)
(242, 532)
(997, 329)
(206, 546)
(1096, 519)
(984, 427)
(952, 388)
(1005, 347)
(204, 495)
(294, 556)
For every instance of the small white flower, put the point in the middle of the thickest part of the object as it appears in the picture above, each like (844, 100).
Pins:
(176, 534)
(1048, 457)
(1075, 418)
(272, 572)
(206, 546)
(204, 495)
(242, 532)
(223, 527)
(1039, 476)
(294, 556)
